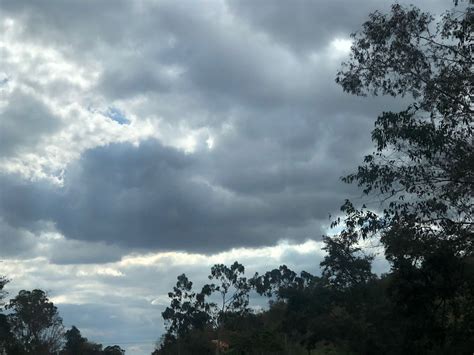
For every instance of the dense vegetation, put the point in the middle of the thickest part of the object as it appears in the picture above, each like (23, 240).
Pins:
(422, 174)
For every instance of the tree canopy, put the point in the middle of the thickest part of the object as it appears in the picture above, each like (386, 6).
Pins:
(35, 322)
(422, 168)
(424, 160)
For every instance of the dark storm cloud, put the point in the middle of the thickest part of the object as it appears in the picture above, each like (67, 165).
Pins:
(24, 203)
(156, 197)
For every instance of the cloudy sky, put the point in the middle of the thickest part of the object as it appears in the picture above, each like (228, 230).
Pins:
(142, 139)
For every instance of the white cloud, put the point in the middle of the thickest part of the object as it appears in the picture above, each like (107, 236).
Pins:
(341, 47)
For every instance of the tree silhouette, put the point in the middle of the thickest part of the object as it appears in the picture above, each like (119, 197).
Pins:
(423, 166)
(35, 322)
(233, 291)
(187, 311)
(346, 265)
(3, 293)
(76, 344)
(113, 350)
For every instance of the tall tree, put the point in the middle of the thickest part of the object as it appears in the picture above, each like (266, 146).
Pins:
(232, 289)
(35, 322)
(424, 159)
(423, 166)
(187, 309)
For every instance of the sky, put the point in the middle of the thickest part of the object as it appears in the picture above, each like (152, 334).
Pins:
(143, 139)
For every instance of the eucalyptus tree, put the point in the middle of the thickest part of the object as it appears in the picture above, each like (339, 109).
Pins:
(232, 290)
(187, 310)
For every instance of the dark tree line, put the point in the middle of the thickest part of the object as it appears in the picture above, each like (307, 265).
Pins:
(422, 173)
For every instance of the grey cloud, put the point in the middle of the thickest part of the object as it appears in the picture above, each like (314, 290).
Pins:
(304, 25)
(223, 65)
(224, 62)
(41, 241)
(23, 204)
(79, 22)
(216, 63)
(151, 196)
(66, 251)
(23, 122)
(156, 197)
(15, 242)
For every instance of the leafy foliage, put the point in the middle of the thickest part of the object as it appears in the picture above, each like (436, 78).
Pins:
(35, 322)
(422, 167)
(345, 265)
(76, 344)
(232, 288)
(186, 311)
(424, 162)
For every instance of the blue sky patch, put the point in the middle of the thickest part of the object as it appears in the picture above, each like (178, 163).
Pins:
(117, 115)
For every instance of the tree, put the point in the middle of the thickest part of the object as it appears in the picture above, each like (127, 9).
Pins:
(6, 337)
(35, 322)
(74, 341)
(424, 162)
(8, 343)
(345, 265)
(274, 282)
(76, 344)
(187, 311)
(3, 293)
(113, 350)
(190, 313)
(233, 290)
(422, 168)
